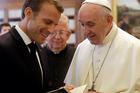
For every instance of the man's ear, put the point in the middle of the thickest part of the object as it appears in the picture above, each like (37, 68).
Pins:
(109, 19)
(28, 12)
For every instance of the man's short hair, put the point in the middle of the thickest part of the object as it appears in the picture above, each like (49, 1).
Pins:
(4, 24)
(35, 5)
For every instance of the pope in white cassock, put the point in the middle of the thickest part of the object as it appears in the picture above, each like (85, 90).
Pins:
(108, 61)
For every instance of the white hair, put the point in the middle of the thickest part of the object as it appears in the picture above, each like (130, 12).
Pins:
(64, 19)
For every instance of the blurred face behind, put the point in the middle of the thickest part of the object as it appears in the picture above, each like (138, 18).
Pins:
(56, 41)
(5, 29)
(40, 24)
(94, 22)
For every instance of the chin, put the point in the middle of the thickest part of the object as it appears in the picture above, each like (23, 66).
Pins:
(93, 42)
(41, 42)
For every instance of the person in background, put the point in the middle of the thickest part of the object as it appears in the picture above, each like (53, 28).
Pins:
(59, 53)
(4, 28)
(108, 60)
(124, 24)
(22, 65)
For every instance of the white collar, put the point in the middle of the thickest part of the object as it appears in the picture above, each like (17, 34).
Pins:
(23, 35)
(111, 34)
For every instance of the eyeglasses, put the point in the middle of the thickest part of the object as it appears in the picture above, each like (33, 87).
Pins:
(60, 33)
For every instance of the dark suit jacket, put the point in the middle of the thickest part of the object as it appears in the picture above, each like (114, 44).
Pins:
(18, 74)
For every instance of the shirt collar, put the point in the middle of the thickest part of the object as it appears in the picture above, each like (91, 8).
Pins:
(25, 38)
(111, 34)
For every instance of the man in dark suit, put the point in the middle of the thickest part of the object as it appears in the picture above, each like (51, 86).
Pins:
(20, 73)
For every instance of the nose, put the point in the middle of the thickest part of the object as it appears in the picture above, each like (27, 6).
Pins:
(51, 28)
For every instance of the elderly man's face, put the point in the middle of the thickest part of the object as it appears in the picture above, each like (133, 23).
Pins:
(94, 23)
(58, 38)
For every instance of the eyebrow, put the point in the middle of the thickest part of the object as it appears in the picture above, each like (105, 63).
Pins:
(48, 21)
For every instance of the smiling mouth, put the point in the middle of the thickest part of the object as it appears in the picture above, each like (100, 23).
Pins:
(91, 36)
(44, 34)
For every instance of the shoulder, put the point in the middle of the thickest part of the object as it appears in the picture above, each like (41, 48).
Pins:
(85, 47)
(85, 44)
(9, 37)
(126, 39)
(70, 48)
(5, 39)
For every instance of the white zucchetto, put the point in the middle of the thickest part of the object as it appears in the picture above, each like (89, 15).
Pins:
(104, 3)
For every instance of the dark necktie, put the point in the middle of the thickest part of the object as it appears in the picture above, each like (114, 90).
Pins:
(32, 47)
(36, 67)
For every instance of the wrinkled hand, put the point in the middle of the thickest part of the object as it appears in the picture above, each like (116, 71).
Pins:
(68, 87)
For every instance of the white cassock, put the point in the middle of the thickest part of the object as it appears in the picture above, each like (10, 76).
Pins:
(118, 61)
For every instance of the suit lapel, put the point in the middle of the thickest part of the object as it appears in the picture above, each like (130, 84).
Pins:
(24, 53)
(43, 61)
(20, 43)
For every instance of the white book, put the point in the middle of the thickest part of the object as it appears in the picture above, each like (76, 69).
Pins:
(80, 89)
